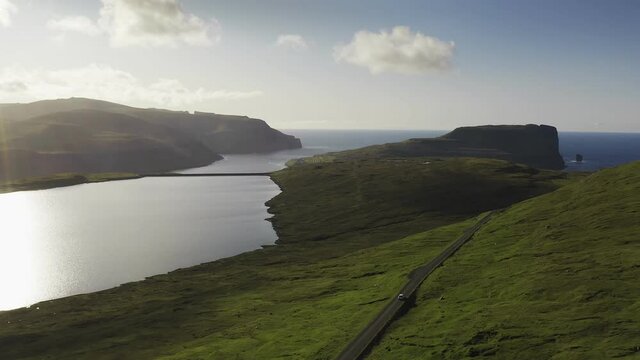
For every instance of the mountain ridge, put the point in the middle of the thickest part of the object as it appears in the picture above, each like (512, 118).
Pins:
(83, 135)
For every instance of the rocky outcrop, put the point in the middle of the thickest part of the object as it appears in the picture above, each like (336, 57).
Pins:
(533, 145)
(228, 134)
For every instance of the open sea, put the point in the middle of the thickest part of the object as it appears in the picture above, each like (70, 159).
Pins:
(600, 150)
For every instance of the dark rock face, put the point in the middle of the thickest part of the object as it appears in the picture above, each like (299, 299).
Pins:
(227, 134)
(533, 145)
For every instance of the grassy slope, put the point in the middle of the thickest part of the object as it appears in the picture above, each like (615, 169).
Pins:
(553, 277)
(366, 194)
(60, 180)
(301, 299)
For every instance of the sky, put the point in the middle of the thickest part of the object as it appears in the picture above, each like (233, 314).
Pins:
(335, 64)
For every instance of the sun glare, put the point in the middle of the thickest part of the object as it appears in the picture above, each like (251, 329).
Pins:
(17, 280)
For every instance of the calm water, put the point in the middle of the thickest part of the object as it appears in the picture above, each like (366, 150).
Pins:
(600, 150)
(84, 238)
(89, 237)
(315, 142)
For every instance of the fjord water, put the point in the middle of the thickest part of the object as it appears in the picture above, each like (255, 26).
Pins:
(89, 237)
(84, 238)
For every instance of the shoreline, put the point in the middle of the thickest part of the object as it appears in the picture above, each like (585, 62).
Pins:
(313, 267)
(72, 179)
(63, 180)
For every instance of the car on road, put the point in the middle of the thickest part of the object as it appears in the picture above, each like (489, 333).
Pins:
(402, 297)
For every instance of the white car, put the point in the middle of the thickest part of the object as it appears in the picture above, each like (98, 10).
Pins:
(402, 297)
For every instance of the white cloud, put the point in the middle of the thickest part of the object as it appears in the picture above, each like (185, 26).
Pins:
(154, 23)
(7, 9)
(106, 83)
(400, 51)
(147, 23)
(80, 24)
(292, 41)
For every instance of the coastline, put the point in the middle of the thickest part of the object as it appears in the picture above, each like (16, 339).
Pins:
(62, 180)
(277, 288)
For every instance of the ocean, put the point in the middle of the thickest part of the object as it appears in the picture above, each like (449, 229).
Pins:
(599, 149)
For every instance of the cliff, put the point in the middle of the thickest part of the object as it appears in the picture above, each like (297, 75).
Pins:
(533, 145)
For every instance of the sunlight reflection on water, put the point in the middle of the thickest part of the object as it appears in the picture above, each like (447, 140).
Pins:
(18, 282)
(65, 241)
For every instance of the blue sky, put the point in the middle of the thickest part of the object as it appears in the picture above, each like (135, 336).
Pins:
(572, 64)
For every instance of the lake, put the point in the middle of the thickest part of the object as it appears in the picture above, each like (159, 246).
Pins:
(84, 238)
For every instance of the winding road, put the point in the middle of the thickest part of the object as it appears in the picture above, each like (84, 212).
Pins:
(368, 335)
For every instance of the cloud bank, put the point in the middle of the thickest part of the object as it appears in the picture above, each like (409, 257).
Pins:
(7, 10)
(106, 83)
(147, 23)
(399, 51)
(292, 41)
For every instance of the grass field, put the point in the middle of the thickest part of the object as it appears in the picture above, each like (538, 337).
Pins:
(367, 194)
(555, 277)
(350, 233)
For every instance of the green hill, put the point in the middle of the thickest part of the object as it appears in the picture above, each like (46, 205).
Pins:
(552, 277)
(348, 239)
(89, 136)
(90, 141)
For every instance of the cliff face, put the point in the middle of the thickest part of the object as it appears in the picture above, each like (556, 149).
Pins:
(84, 135)
(226, 134)
(534, 145)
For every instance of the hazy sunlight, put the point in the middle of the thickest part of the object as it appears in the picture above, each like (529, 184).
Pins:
(19, 258)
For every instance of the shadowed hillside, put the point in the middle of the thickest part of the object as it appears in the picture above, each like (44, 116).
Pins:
(87, 136)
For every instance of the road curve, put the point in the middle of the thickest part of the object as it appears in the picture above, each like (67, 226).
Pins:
(367, 336)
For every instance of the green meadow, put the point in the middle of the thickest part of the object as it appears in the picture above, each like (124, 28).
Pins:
(555, 277)
(551, 276)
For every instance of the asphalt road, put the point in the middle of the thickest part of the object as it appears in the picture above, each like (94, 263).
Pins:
(366, 337)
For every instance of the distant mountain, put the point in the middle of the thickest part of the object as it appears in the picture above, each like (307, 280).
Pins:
(85, 135)
(533, 145)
